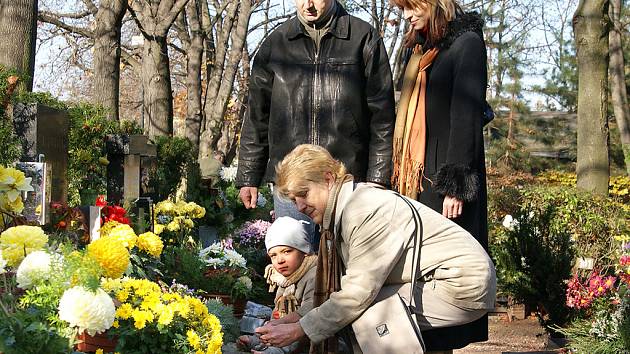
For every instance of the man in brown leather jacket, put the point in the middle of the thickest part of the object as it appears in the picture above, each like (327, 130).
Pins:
(322, 77)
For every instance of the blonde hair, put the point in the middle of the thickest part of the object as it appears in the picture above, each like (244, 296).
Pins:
(442, 12)
(306, 163)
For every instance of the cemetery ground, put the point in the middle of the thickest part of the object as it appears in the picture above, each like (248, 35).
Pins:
(517, 336)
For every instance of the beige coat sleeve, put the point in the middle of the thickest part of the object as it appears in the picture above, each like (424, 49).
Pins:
(374, 244)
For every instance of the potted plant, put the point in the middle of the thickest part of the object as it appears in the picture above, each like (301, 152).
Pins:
(228, 275)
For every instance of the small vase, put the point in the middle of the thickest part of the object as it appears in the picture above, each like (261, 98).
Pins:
(90, 343)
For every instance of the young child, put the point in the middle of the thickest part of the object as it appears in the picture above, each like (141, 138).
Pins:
(292, 271)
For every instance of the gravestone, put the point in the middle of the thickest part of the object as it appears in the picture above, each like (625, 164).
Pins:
(124, 172)
(44, 130)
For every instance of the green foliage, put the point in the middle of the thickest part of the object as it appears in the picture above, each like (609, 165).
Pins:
(592, 221)
(10, 145)
(533, 259)
(175, 155)
(183, 265)
(144, 266)
(87, 164)
(225, 314)
(605, 331)
(27, 331)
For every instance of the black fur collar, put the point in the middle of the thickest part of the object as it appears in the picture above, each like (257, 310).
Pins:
(465, 22)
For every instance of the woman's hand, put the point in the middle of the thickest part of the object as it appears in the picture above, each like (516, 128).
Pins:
(290, 318)
(280, 335)
(452, 207)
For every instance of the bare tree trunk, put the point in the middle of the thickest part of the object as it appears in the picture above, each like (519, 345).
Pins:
(18, 30)
(156, 86)
(590, 28)
(154, 18)
(618, 92)
(107, 27)
(194, 56)
(223, 81)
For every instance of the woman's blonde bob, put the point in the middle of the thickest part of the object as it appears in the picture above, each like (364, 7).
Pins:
(305, 164)
(442, 12)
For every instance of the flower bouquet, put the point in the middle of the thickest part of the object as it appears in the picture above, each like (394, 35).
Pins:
(150, 317)
(602, 305)
(227, 273)
(174, 221)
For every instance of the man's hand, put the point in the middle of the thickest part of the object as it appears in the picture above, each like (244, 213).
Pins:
(280, 335)
(249, 196)
(452, 207)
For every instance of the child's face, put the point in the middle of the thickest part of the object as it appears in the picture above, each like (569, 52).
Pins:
(286, 259)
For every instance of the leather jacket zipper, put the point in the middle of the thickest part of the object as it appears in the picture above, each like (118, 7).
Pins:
(315, 90)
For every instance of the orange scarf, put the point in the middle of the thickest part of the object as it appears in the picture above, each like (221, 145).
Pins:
(410, 131)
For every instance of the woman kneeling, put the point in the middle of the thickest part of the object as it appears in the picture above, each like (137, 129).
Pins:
(372, 231)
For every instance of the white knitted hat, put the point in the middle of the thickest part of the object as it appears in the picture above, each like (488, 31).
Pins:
(287, 231)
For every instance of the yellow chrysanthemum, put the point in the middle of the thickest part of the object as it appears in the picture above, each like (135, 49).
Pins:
(18, 241)
(13, 183)
(111, 254)
(164, 207)
(166, 316)
(98, 351)
(107, 227)
(141, 318)
(16, 206)
(158, 228)
(124, 311)
(122, 295)
(193, 338)
(189, 223)
(125, 234)
(173, 226)
(151, 243)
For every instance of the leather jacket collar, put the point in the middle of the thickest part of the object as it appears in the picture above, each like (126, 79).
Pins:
(339, 27)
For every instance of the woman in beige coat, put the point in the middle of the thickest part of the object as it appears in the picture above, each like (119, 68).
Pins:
(372, 232)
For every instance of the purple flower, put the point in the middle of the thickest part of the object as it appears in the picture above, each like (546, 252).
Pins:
(253, 233)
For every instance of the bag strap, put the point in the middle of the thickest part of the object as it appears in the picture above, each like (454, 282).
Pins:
(416, 243)
(416, 248)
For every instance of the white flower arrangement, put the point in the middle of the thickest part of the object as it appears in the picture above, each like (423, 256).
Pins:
(228, 174)
(218, 256)
(33, 269)
(3, 264)
(92, 312)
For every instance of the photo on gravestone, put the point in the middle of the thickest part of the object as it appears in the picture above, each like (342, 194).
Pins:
(36, 202)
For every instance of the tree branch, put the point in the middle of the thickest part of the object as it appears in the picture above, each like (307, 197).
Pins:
(91, 7)
(48, 17)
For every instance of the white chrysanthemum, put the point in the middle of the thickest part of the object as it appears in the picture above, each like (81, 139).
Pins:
(228, 174)
(245, 280)
(3, 264)
(34, 268)
(234, 259)
(509, 222)
(92, 312)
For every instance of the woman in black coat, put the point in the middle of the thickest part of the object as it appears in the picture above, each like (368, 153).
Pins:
(438, 143)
